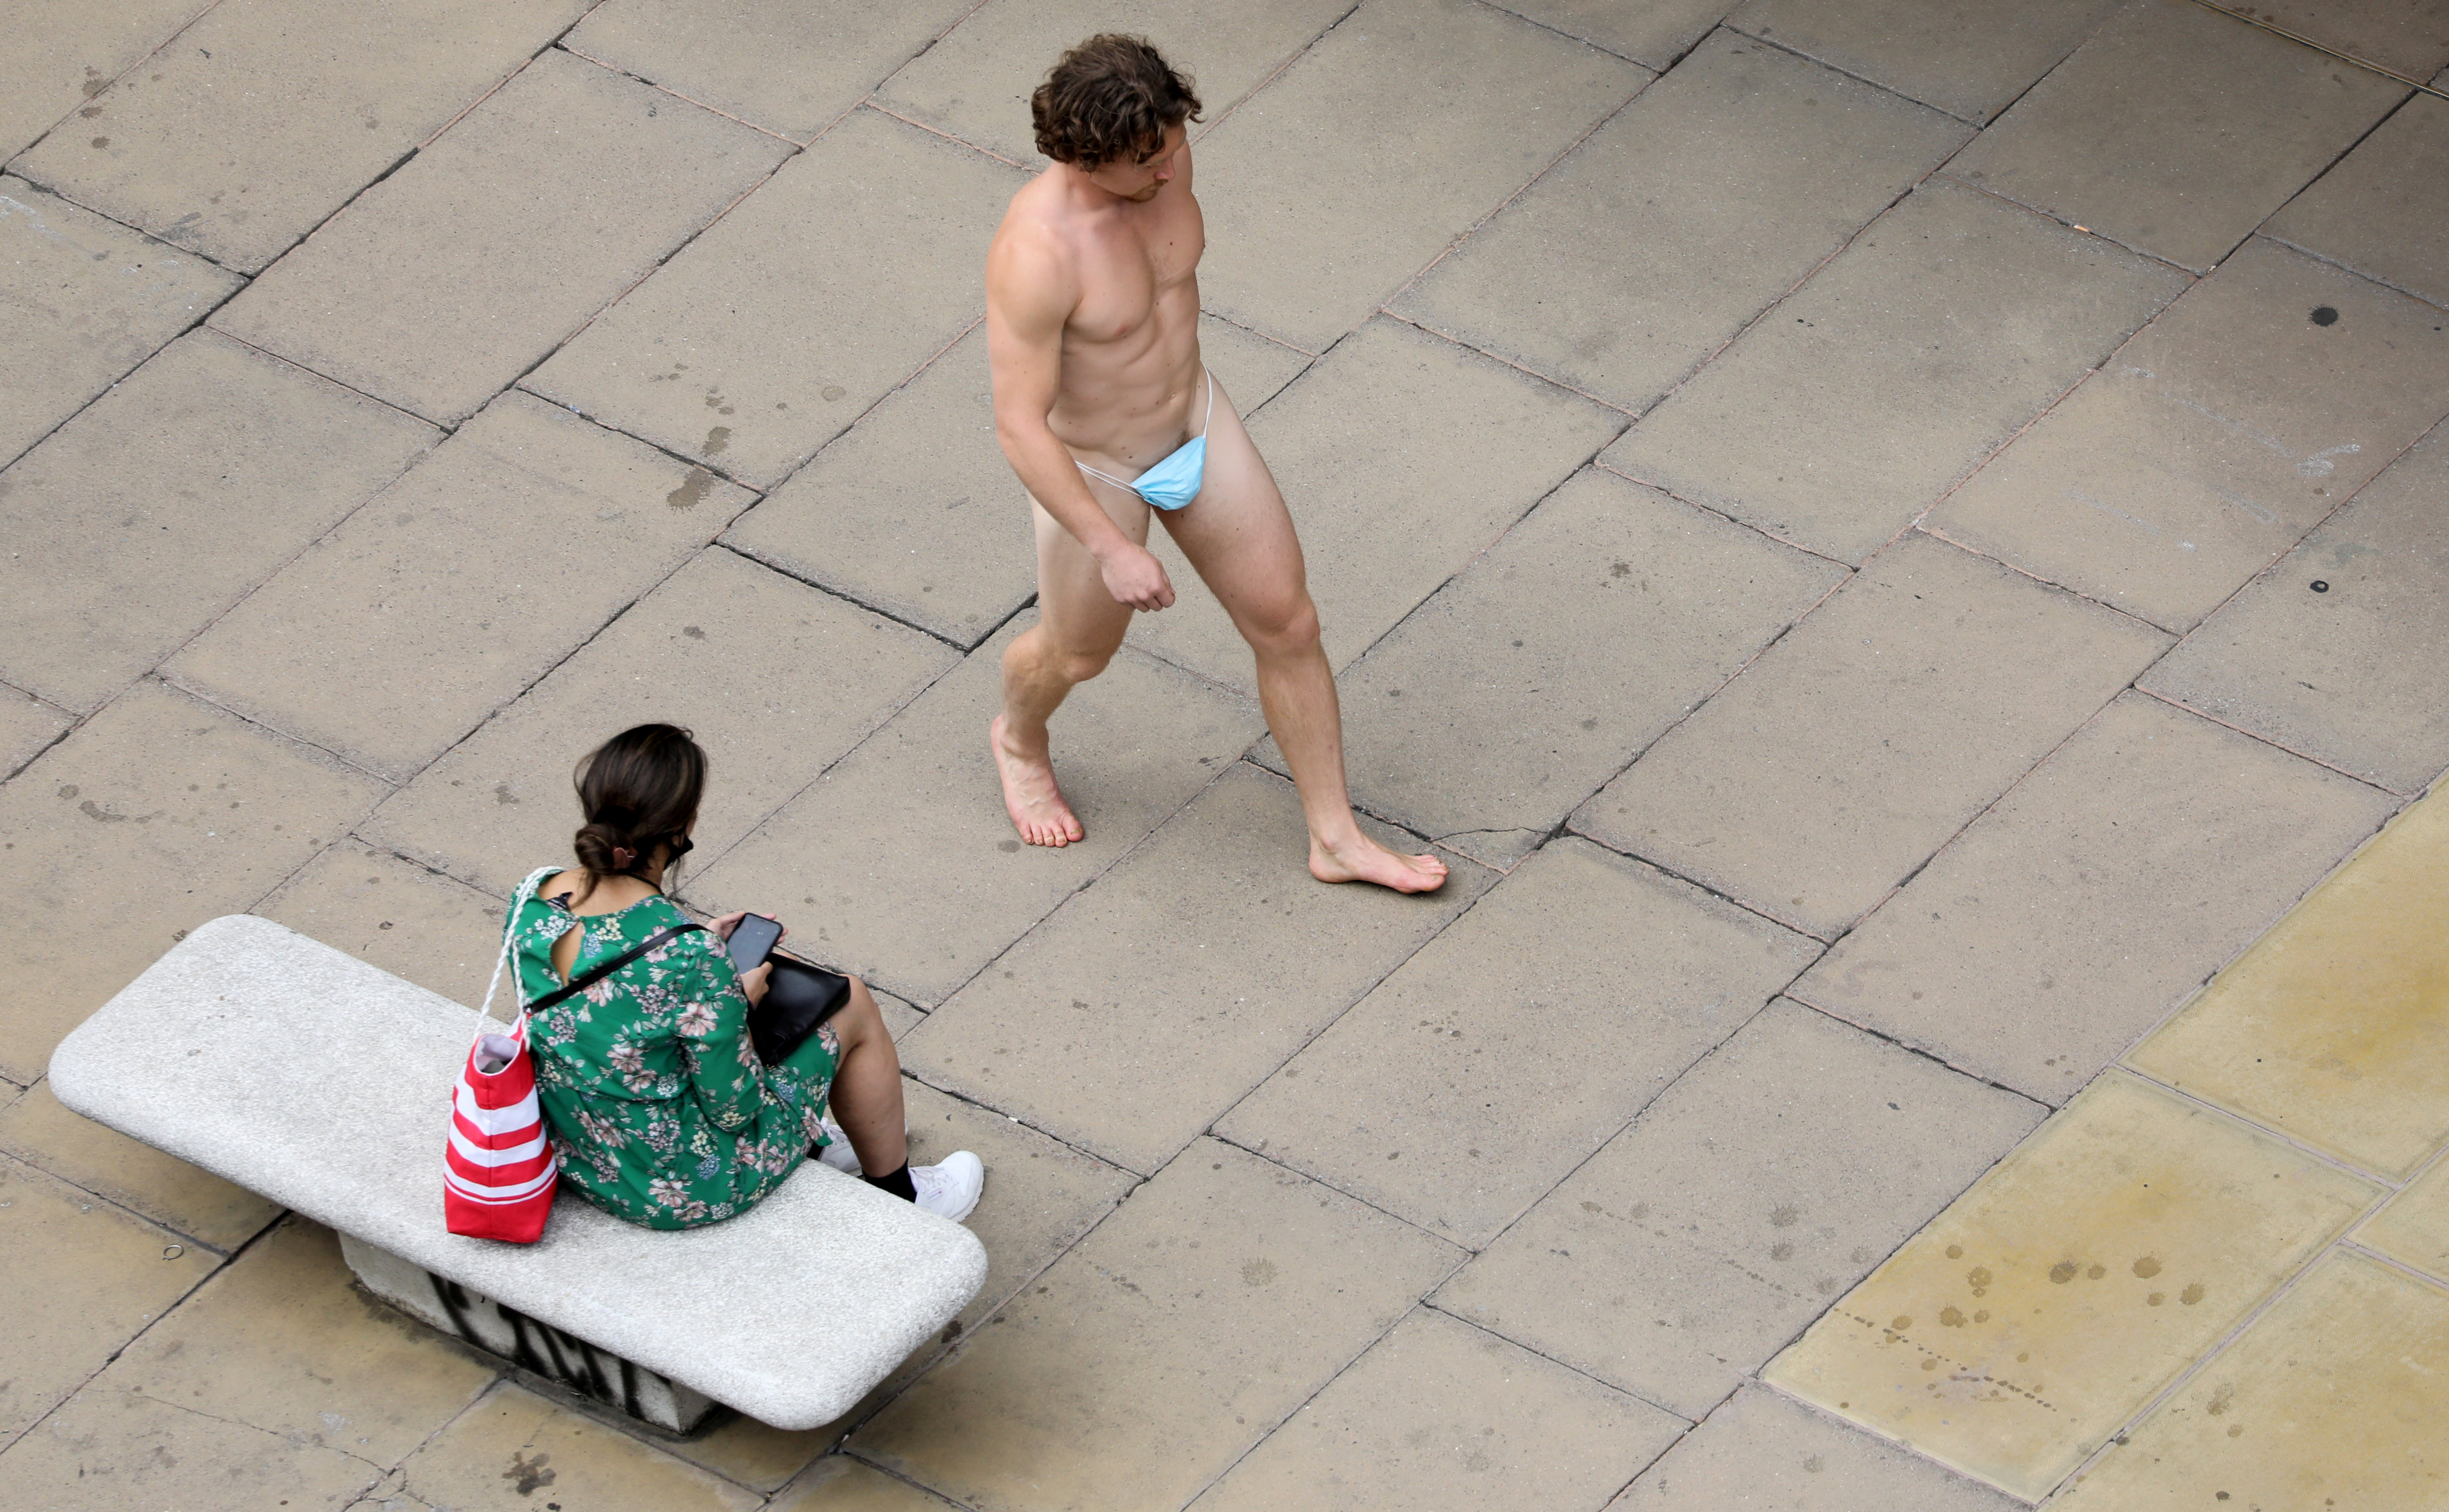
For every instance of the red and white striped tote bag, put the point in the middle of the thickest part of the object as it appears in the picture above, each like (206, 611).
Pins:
(501, 1177)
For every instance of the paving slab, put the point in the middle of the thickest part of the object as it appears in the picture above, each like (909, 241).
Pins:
(1946, 327)
(2069, 919)
(776, 679)
(899, 863)
(915, 510)
(1840, 760)
(841, 1483)
(1761, 1450)
(2213, 440)
(2095, 1263)
(2341, 671)
(515, 1449)
(27, 726)
(1680, 220)
(1438, 1413)
(271, 114)
(1044, 1196)
(108, 1451)
(488, 250)
(2413, 1228)
(158, 814)
(820, 294)
(81, 1278)
(1654, 34)
(1965, 57)
(1401, 458)
(412, 922)
(2380, 209)
(1368, 120)
(197, 1205)
(1495, 708)
(84, 299)
(2411, 39)
(975, 82)
(1592, 983)
(2328, 1030)
(1220, 1297)
(2176, 130)
(119, 522)
(500, 553)
(1116, 1029)
(2328, 1395)
(1698, 1240)
(60, 56)
(282, 1339)
(790, 68)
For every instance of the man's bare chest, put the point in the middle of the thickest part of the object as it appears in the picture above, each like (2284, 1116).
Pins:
(1126, 271)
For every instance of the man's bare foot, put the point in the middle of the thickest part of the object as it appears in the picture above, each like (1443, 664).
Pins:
(1030, 795)
(1361, 860)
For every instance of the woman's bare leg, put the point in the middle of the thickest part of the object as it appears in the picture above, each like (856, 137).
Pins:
(866, 1097)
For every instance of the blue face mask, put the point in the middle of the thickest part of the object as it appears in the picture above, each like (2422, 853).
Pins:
(1176, 478)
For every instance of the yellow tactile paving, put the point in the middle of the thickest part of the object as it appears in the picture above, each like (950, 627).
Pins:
(2328, 1030)
(2337, 1398)
(2047, 1305)
(2413, 1228)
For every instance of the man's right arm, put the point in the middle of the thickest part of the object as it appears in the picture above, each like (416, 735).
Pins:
(1029, 297)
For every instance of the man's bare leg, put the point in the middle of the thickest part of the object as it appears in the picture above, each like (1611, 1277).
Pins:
(1239, 536)
(1079, 627)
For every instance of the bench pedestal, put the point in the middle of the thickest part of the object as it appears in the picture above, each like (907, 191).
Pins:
(476, 1319)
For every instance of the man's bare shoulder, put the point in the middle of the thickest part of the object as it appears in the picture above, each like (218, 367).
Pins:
(1030, 261)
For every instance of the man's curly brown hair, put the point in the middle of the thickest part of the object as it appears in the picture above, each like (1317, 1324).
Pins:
(1111, 99)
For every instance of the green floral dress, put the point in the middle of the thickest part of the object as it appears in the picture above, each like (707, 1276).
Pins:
(657, 1105)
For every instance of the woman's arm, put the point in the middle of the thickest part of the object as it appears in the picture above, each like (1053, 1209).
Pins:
(725, 1076)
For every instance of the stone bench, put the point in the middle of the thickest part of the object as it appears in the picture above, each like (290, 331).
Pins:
(324, 1084)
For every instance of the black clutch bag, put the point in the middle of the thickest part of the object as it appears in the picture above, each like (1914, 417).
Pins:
(799, 997)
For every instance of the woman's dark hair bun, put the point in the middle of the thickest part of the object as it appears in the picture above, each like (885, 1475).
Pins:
(636, 791)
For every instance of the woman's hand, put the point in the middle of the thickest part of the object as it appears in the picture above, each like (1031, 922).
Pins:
(752, 984)
(725, 924)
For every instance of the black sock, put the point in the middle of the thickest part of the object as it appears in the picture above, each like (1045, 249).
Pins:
(897, 1182)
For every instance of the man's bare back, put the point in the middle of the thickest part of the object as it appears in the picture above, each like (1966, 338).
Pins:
(1093, 329)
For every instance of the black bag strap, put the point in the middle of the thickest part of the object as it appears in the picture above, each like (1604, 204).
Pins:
(594, 974)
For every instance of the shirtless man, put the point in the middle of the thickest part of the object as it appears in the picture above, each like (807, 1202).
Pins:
(1105, 410)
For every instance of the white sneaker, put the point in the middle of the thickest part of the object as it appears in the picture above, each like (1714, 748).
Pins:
(837, 1152)
(950, 1190)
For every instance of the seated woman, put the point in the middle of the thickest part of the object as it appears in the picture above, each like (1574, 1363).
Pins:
(659, 1108)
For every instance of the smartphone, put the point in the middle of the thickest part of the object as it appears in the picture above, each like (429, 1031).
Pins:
(752, 940)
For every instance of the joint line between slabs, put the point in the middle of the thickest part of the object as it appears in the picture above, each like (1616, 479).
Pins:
(207, 312)
(857, 1455)
(1231, 107)
(142, 59)
(2186, 1373)
(1889, 89)
(797, 147)
(1553, 29)
(2389, 1186)
(1479, 224)
(226, 1260)
(1946, 170)
(877, 403)
(1706, 507)
(2259, 739)
(1500, 358)
(838, 595)
(2329, 261)
(887, 111)
(2324, 48)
